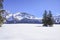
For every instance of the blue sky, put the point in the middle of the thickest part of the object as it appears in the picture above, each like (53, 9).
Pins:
(34, 7)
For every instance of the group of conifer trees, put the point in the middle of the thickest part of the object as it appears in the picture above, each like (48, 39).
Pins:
(48, 19)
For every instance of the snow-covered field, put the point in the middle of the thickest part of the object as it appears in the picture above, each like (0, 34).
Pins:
(29, 32)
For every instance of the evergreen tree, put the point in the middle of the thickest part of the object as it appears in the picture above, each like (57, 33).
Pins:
(44, 20)
(50, 19)
(1, 18)
(1, 12)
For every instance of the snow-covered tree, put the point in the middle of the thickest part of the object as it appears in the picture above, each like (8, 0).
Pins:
(1, 12)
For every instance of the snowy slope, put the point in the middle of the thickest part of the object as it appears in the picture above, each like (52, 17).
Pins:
(57, 19)
(23, 15)
(20, 16)
(29, 32)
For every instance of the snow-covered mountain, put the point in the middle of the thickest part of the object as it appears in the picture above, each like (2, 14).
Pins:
(57, 19)
(22, 18)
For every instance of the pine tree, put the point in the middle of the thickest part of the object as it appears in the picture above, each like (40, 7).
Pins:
(44, 20)
(1, 18)
(50, 19)
(1, 12)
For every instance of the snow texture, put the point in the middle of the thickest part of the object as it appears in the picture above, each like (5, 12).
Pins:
(29, 32)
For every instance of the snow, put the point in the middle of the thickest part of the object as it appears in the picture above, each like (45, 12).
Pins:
(18, 18)
(29, 32)
(8, 16)
(18, 13)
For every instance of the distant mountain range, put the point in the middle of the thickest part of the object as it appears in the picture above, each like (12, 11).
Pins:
(22, 17)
